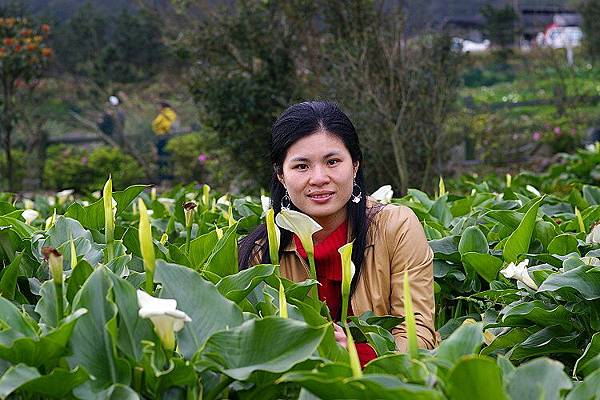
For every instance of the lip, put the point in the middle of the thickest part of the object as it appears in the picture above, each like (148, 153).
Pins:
(320, 197)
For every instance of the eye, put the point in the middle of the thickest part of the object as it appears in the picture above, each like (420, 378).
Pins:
(301, 167)
(333, 161)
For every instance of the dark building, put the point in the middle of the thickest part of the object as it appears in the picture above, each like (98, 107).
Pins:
(463, 17)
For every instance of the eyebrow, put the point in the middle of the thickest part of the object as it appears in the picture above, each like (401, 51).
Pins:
(304, 159)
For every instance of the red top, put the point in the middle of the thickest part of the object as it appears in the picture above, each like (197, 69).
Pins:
(329, 275)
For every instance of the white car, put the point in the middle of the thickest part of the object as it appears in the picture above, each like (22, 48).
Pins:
(468, 46)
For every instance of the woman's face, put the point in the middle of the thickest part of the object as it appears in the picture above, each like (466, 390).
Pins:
(318, 174)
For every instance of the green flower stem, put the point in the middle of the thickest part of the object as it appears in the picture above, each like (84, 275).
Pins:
(137, 378)
(188, 230)
(313, 272)
(58, 287)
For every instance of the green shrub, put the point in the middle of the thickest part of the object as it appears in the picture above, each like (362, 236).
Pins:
(199, 157)
(86, 170)
(19, 169)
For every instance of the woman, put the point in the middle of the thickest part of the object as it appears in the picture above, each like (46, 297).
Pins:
(317, 170)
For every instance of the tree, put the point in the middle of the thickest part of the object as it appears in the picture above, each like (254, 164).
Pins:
(24, 54)
(590, 11)
(399, 91)
(500, 25)
(245, 75)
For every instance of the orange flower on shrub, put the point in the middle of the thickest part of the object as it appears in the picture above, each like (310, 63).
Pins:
(37, 38)
(47, 52)
(8, 41)
(31, 47)
(18, 48)
(45, 28)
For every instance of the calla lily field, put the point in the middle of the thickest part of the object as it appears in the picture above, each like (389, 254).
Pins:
(135, 296)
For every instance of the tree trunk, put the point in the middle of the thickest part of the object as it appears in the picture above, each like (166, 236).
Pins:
(7, 128)
(400, 161)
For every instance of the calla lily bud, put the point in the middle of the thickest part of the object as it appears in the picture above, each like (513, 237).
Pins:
(165, 317)
(109, 218)
(146, 245)
(347, 275)
(55, 263)
(594, 235)
(519, 273)
(153, 194)
(51, 220)
(30, 216)
(533, 190)
(205, 195)
(274, 236)
(441, 186)
(383, 194)
(189, 208)
(164, 238)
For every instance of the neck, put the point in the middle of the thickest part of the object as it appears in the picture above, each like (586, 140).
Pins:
(329, 224)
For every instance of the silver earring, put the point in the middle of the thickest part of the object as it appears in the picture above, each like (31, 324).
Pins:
(356, 197)
(285, 201)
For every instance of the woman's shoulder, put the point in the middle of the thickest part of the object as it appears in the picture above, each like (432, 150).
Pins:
(390, 220)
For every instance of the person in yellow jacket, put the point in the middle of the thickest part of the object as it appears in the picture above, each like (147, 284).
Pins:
(163, 122)
(162, 125)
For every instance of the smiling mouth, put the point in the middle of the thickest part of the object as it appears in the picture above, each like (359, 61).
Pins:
(320, 196)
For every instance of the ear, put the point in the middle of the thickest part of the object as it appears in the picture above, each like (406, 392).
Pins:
(280, 177)
(355, 166)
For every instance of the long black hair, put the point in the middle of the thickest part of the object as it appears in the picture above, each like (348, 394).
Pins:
(298, 121)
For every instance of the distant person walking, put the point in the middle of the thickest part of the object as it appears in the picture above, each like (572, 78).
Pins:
(162, 125)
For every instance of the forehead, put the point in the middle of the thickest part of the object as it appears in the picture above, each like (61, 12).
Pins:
(316, 146)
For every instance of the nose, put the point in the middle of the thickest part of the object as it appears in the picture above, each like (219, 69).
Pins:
(319, 176)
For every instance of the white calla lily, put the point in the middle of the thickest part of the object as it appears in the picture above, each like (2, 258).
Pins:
(30, 216)
(64, 195)
(348, 271)
(383, 194)
(594, 235)
(592, 261)
(304, 227)
(168, 203)
(519, 272)
(265, 202)
(165, 317)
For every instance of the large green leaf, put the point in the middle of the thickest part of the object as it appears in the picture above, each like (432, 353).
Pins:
(93, 343)
(8, 283)
(58, 384)
(539, 379)
(92, 216)
(223, 260)
(446, 248)
(473, 240)
(475, 377)
(270, 344)
(591, 194)
(486, 265)
(518, 242)
(399, 365)
(591, 351)
(588, 389)
(583, 281)
(385, 387)
(236, 287)
(209, 310)
(548, 341)
(19, 227)
(59, 237)
(201, 248)
(563, 244)
(538, 313)
(132, 328)
(467, 339)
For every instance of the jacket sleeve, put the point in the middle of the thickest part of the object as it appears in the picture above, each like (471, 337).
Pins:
(409, 251)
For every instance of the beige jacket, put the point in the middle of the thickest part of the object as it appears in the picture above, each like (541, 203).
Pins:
(395, 243)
